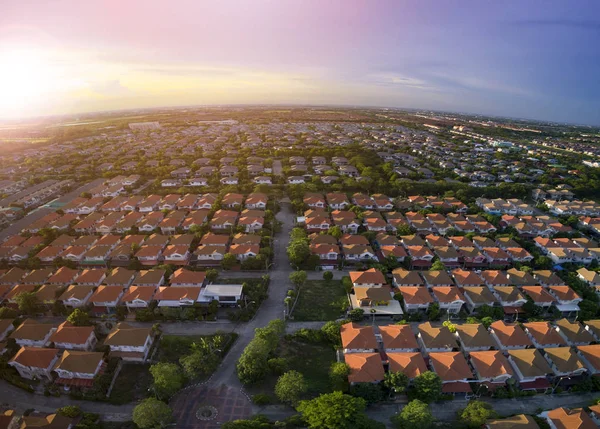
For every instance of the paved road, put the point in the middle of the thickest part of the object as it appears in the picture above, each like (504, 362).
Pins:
(271, 308)
(16, 227)
(223, 391)
(447, 411)
(17, 398)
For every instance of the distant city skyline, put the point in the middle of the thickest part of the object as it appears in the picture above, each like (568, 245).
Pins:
(535, 60)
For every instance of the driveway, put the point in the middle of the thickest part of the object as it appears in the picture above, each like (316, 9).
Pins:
(232, 401)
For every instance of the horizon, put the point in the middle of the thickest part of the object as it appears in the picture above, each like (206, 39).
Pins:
(534, 61)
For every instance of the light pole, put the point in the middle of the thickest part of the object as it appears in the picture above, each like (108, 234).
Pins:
(558, 383)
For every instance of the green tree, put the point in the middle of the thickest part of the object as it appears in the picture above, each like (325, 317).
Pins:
(427, 387)
(476, 413)
(397, 382)
(416, 414)
(290, 387)
(451, 326)
(199, 364)
(7, 313)
(229, 261)
(327, 276)
(152, 414)
(71, 411)
(331, 330)
(437, 266)
(168, 379)
(335, 411)
(433, 312)
(347, 283)
(211, 275)
(336, 231)
(252, 366)
(298, 278)
(487, 321)
(27, 302)
(79, 318)
(370, 392)
(356, 315)
(298, 252)
(338, 376)
(256, 422)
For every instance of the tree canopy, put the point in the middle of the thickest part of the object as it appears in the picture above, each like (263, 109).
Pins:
(416, 414)
(290, 387)
(168, 379)
(152, 413)
(335, 411)
(427, 387)
(476, 413)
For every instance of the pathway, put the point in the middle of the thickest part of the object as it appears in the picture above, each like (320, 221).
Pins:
(224, 391)
(19, 399)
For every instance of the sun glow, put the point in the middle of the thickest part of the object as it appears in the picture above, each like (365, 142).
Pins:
(30, 79)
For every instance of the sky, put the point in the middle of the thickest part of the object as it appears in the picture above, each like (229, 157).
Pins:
(517, 58)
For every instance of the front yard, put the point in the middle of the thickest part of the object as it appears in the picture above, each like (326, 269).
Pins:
(173, 347)
(320, 300)
(132, 384)
(312, 360)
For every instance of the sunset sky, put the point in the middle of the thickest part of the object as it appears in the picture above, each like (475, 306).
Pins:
(522, 58)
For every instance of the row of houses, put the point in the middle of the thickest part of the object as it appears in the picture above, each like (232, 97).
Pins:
(105, 290)
(574, 207)
(65, 355)
(317, 219)
(459, 251)
(534, 226)
(539, 356)
(566, 250)
(499, 206)
(151, 203)
(460, 290)
(149, 250)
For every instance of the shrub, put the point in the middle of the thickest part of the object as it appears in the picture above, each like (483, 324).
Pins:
(261, 399)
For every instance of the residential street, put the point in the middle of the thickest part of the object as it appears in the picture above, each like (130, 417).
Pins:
(36, 215)
(223, 390)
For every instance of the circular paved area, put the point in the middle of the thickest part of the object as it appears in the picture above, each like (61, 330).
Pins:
(230, 403)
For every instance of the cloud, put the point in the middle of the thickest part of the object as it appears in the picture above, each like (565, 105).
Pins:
(399, 80)
(110, 88)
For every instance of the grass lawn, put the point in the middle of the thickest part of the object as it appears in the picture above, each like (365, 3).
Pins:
(173, 347)
(132, 384)
(320, 300)
(312, 360)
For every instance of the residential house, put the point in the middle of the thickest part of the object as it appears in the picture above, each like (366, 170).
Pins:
(358, 339)
(72, 337)
(435, 339)
(509, 336)
(454, 371)
(474, 337)
(32, 333)
(34, 363)
(130, 343)
(364, 368)
(491, 367)
(76, 296)
(530, 368)
(106, 298)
